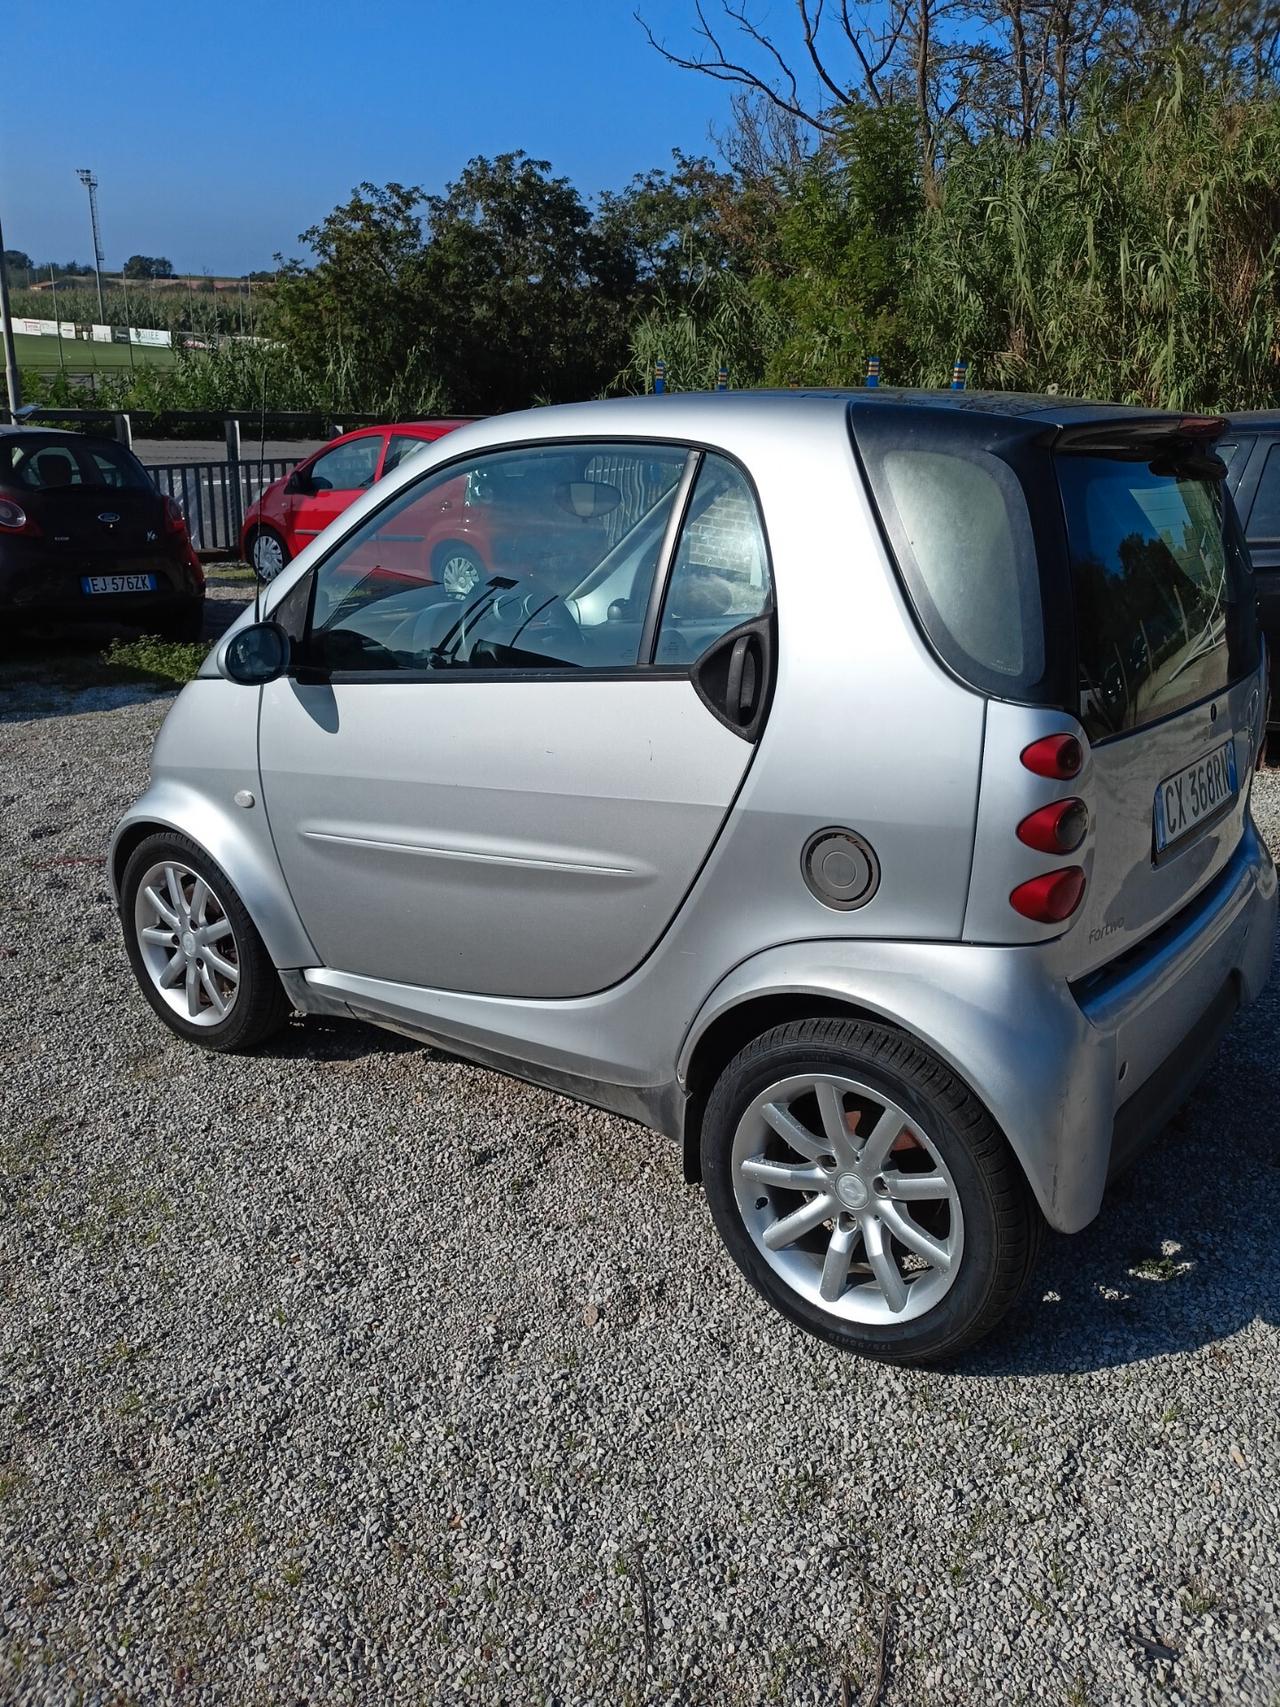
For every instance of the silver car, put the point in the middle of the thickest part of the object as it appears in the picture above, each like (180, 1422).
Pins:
(854, 787)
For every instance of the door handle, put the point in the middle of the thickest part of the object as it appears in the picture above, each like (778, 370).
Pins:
(733, 677)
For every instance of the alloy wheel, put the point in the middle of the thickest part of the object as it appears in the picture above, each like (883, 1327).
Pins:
(847, 1199)
(187, 943)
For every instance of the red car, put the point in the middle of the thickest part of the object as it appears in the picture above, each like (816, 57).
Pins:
(295, 508)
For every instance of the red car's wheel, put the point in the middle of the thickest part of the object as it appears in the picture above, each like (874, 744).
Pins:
(268, 553)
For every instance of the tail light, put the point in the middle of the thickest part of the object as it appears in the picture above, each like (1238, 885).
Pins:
(1059, 757)
(1051, 897)
(175, 527)
(1058, 828)
(14, 519)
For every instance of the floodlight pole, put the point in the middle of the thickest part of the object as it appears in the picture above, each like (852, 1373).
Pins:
(90, 183)
(13, 378)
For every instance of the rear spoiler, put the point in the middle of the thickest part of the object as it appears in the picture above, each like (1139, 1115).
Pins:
(1182, 442)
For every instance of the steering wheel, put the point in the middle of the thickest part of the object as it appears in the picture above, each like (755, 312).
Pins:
(527, 615)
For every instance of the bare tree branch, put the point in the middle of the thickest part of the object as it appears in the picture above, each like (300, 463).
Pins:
(811, 28)
(725, 70)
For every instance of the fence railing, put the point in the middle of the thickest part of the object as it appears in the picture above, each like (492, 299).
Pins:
(214, 496)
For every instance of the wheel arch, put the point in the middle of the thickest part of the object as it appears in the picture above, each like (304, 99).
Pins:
(253, 873)
(253, 528)
(447, 547)
(735, 1027)
(1013, 1036)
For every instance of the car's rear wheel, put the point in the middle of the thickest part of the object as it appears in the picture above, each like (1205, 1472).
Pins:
(268, 553)
(193, 947)
(865, 1192)
(458, 569)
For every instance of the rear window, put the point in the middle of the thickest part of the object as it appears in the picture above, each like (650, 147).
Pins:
(1164, 596)
(42, 464)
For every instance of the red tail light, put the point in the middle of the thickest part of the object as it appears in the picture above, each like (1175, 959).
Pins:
(174, 520)
(1050, 898)
(1058, 828)
(1059, 757)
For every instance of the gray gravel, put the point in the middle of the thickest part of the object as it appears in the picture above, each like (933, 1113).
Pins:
(354, 1374)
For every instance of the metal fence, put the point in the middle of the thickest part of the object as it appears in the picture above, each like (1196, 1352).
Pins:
(214, 496)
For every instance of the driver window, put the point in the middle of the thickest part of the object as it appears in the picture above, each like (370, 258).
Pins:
(535, 559)
(347, 468)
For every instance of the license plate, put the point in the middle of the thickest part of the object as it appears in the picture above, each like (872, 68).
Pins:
(118, 583)
(1189, 797)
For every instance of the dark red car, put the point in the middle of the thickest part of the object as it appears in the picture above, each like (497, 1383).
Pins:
(295, 508)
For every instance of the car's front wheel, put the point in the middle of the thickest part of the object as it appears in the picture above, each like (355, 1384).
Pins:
(458, 570)
(268, 553)
(194, 950)
(864, 1191)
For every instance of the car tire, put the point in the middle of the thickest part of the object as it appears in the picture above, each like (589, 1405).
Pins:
(268, 553)
(457, 568)
(214, 952)
(971, 1225)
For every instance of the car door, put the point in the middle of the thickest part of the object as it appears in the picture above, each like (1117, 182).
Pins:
(503, 793)
(320, 490)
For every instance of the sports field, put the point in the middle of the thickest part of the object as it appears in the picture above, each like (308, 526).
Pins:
(40, 355)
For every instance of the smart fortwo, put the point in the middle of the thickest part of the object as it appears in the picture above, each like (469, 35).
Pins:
(853, 787)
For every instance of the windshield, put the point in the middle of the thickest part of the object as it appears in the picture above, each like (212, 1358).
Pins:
(1164, 596)
(43, 463)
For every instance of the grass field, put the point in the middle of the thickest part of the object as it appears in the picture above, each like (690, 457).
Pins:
(40, 355)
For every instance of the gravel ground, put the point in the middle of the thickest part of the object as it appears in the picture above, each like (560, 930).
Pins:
(354, 1374)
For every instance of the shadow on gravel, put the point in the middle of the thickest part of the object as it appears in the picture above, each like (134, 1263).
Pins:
(1186, 1250)
(58, 675)
(319, 1038)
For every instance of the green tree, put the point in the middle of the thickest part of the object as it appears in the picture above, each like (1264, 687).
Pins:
(148, 267)
(527, 296)
(355, 320)
(841, 241)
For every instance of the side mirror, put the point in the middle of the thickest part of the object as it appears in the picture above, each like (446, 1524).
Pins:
(256, 655)
(300, 482)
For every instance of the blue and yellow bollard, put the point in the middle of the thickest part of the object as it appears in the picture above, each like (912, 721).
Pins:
(659, 377)
(722, 378)
(873, 370)
(959, 374)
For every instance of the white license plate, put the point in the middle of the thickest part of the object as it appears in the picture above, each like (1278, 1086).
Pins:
(1190, 796)
(118, 583)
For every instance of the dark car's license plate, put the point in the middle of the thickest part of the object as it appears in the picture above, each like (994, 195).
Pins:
(118, 583)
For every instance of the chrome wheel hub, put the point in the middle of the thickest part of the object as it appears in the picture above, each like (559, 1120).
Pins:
(847, 1199)
(187, 943)
(852, 1192)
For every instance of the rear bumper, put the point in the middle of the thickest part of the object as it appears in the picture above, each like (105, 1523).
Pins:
(1073, 1075)
(1163, 1008)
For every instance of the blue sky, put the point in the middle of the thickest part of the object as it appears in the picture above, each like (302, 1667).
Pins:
(219, 132)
